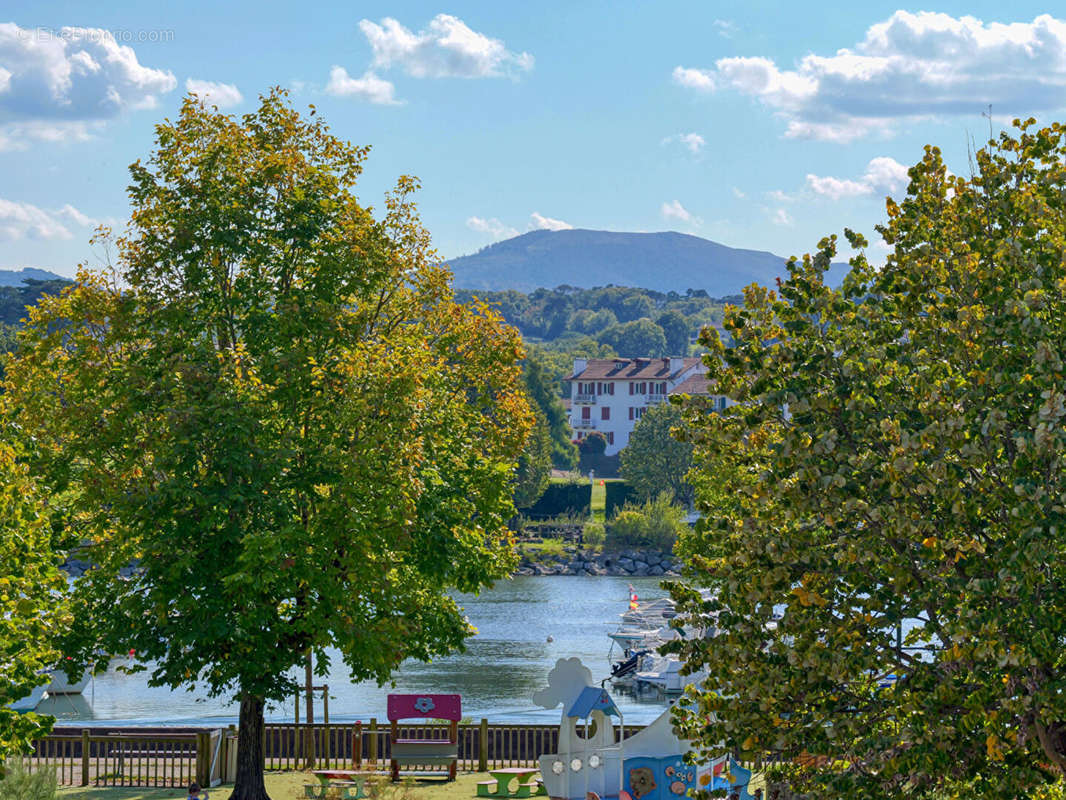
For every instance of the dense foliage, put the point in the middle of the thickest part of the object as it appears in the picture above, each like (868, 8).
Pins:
(15, 299)
(543, 390)
(280, 413)
(605, 315)
(891, 484)
(655, 523)
(655, 461)
(32, 602)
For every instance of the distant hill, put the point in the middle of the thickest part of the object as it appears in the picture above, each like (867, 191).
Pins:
(16, 277)
(661, 261)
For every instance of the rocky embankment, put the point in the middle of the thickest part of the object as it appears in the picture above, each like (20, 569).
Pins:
(576, 561)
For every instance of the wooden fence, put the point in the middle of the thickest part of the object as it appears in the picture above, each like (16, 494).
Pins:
(174, 758)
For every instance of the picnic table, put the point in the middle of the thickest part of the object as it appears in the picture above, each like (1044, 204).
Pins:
(345, 784)
(502, 778)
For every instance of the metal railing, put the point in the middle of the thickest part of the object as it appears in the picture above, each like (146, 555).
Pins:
(585, 423)
(585, 399)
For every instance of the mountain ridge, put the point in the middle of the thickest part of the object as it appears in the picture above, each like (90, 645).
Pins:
(662, 261)
(16, 277)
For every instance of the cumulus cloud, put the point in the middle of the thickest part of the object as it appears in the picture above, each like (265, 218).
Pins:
(446, 48)
(781, 217)
(27, 221)
(369, 87)
(537, 222)
(699, 79)
(223, 95)
(493, 227)
(883, 175)
(693, 142)
(675, 211)
(58, 85)
(910, 66)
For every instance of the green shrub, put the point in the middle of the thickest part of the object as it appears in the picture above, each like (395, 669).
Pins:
(656, 524)
(594, 534)
(20, 784)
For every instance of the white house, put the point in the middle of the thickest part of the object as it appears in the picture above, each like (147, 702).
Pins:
(610, 395)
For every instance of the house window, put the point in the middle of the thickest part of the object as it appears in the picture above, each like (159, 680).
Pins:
(610, 388)
(610, 437)
(632, 388)
(605, 412)
(586, 413)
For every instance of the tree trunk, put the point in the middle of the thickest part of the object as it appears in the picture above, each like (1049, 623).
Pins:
(248, 784)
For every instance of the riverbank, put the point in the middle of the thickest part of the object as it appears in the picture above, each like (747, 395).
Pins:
(575, 560)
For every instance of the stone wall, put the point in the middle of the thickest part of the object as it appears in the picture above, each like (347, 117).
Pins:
(576, 561)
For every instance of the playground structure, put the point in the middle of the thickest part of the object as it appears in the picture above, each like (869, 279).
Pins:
(593, 759)
(424, 752)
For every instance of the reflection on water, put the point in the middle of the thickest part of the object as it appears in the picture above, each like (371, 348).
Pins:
(504, 664)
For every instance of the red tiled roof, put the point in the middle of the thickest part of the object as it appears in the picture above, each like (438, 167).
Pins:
(627, 369)
(693, 384)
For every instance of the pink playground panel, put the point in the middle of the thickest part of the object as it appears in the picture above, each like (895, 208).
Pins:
(430, 706)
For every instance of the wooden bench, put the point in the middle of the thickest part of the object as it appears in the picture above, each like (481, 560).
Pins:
(424, 752)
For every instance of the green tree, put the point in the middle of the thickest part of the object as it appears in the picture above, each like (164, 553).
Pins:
(541, 387)
(32, 604)
(533, 472)
(655, 461)
(891, 485)
(676, 329)
(639, 339)
(277, 410)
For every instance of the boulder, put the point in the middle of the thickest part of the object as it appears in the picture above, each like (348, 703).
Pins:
(656, 569)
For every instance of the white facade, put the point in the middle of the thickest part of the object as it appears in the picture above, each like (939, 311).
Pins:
(611, 395)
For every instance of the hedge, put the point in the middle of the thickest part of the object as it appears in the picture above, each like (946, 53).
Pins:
(618, 494)
(562, 498)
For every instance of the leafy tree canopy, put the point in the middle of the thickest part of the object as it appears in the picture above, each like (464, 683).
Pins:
(891, 484)
(533, 473)
(655, 461)
(280, 412)
(541, 386)
(32, 603)
(636, 339)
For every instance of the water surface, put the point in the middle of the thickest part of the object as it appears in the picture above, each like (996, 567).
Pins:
(504, 664)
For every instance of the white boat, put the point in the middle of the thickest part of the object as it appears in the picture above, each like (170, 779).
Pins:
(62, 685)
(30, 701)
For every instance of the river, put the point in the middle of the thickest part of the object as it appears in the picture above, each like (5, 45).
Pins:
(505, 662)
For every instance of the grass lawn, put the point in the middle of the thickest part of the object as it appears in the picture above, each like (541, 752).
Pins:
(599, 501)
(290, 786)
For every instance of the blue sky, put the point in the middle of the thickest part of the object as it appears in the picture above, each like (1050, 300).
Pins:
(760, 125)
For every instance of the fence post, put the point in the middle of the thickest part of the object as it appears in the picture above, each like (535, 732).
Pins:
(357, 745)
(203, 762)
(483, 746)
(373, 754)
(84, 756)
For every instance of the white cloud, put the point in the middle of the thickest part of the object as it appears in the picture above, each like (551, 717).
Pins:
(910, 66)
(447, 48)
(779, 196)
(883, 175)
(726, 28)
(782, 217)
(675, 211)
(57, 85)
(693, 142)
(699, 79)
(223, 95)
(369, 87)
(537, 222)
(738, 194)
(493, 227)
(25, 220)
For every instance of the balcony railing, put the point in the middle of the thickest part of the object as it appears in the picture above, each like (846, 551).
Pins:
(585, 399)
(585, 423)
(653, 399)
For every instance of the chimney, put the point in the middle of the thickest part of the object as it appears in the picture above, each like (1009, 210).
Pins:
(676, 363)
